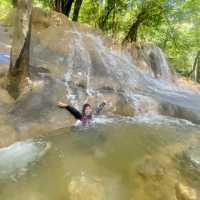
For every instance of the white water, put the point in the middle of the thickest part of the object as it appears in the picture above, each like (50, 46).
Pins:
(17, 158)
(93, 63)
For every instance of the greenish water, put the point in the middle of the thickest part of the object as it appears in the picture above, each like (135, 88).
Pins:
(105, 162)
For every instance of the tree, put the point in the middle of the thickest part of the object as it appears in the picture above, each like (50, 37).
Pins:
(111, 16)
(149, 13)
(196, 68)
(14, 3)
(63, 6)
(89, 13)
(110, 5)
(77, 7)
(68, 7)
(20, 52)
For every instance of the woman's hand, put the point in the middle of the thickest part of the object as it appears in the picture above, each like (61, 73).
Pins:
(61, 104)
(107, 101)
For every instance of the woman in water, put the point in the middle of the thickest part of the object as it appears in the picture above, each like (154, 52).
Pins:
(85, 116)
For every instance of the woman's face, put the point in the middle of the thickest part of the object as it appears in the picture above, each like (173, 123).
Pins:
(88, 110)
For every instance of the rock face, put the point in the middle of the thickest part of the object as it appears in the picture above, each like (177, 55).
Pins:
(75, 63)
(151, 60)
(58, 70)
(151, 169)
(19, 63)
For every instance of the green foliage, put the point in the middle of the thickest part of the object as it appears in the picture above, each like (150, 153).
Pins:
(44, 4)
(179, 33)
(5, 6)
(89, 12)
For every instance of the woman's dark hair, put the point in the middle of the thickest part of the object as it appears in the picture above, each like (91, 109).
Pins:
(84, 107)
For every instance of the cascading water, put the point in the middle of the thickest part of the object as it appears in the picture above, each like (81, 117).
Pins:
(157, 62)
(97, 66)
(27, 152)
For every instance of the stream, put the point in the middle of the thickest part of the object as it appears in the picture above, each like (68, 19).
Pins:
(116, 160)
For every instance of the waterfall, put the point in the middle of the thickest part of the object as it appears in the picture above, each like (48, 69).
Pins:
(93, 64)
(94, 68)
(157, 62)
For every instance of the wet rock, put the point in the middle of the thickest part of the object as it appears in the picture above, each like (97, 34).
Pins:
(94, 188)
(184, 192)
(3, 69)
(5, 98)
(150, 169)
(27, 193)
(174, 110)
(154, 179)
(157, 63)
(124, 107)
(45, 19)
(37, 109)
(189, 164)
(7, 134)
(149, 59)
(20, 52)
(86, 188)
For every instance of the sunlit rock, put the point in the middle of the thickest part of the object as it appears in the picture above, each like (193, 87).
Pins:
(189, 164)
(83, 187)
(29, 194)
(91, 187)
(150, 169)
(184, 192)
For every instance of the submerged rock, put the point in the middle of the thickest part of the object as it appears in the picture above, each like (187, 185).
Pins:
(184, 192)
(94, 188)
(189, 165)
(151, 169)
(86, 188)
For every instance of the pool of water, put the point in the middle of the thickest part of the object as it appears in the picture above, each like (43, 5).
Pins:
(117, 161)
(4, 58)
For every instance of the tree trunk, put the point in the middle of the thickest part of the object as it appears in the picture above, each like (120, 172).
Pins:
(58, 5)
(14, 3)
(104, 18)
(68, 7)
(133, 31)
(194, 72)
(197, 68)
(63, 6)
(132, 34)
(77, 7)
(19, 63)
(114, 20)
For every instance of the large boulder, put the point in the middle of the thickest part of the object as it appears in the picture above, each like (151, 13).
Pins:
(58, 71)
